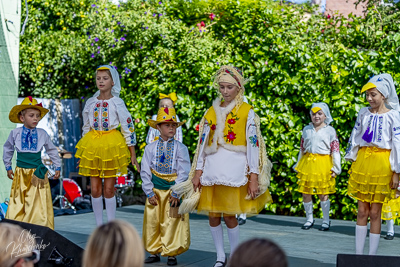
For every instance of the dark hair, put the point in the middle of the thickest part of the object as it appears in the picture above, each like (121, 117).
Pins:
(258, 252)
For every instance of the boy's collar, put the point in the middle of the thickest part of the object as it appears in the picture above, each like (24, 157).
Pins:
(25, 128)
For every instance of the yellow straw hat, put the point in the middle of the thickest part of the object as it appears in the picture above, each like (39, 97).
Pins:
(28, 102)
(165, 115)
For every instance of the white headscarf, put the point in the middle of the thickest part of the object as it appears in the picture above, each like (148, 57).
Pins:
(384, 84)
(116, 89)
(325, 109)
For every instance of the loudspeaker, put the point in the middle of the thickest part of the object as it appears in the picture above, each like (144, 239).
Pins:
(347, 260)
(52, 245)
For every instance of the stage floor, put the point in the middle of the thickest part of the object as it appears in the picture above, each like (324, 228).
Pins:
(303, 248)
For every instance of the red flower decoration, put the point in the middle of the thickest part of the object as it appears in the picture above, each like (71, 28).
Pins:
(202, 24)
(98, 105)
(257, 143)
(231, 136)
(213, 127)
(105, 104)
(231, 121)
(212, 16)
(129, 120)
(197, 127)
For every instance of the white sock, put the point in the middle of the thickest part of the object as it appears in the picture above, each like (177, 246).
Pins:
(97, 205)
(361, 235)
(233, 235)
(325, 206)
(390, 226)
(308, 207)
(218, 236)
(111, 208)
(373, 243)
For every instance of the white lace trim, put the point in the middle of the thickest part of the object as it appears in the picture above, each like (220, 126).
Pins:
(211, 183)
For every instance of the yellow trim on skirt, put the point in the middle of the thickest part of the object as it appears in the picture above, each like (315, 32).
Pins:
(28, 202)
(103, 154)
(370, 175)
(314, 175)
(167, 177)
(161, 233)
(230, 200)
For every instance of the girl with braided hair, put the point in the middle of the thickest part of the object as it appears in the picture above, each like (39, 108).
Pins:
(230, 172)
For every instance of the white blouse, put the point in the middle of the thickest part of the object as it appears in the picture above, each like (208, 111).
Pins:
(226, 167)
(30, 141)
(382, 130)
(106, 115)
(153, 133)
(180, 164)
(324, 141)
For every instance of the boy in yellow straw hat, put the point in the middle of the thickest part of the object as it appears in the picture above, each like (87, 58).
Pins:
(30, 199)
(166, 101)
(165, 162)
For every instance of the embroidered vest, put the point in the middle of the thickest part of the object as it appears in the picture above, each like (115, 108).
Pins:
(232, 134)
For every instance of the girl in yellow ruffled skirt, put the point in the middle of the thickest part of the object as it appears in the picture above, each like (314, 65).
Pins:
(318, 163)
(374, 149)
(103, 151)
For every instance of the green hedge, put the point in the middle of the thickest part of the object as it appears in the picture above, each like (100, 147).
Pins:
(292, 58)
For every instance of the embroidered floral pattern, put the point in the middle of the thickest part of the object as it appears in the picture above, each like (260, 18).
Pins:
(29, 139)
(164, 157)
(104, 118)
(230, 137)
(203, 136)
(213, 127)
(231, 121)
(96, 111)
(302, 145)
(132, 130)
(254, 140)
(335, 146)
(380, 122)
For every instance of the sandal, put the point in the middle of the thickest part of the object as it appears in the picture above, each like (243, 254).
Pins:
(308, 225)
(325, 226)
(220, 263)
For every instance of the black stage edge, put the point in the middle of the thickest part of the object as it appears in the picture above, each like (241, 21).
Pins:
(47, 239)
(349, 260)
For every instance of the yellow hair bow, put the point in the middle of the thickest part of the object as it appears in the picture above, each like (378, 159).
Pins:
(171, 96)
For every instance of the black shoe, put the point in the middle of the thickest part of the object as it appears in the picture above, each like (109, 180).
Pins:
(325, 226)
(221, 263)
(241, 221)
(152, 259)
(389, 236)
(172, 261)
(308, 225)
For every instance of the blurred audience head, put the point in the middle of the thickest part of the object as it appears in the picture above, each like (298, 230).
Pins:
(17, 247)
(258, 252)
(116, 243)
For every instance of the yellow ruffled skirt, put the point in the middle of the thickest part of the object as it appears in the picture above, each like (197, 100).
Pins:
(314, 175)
(230, 200)
(30, 199)
(370, 175)
(103, 154)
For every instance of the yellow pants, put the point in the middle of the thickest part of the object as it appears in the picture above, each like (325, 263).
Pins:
(161, 233)
(28, 202)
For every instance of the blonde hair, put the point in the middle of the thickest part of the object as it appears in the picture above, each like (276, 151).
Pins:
(10, 233)
(116, 243)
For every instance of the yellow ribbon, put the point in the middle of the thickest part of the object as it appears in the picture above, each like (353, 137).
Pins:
(370, 150)
(171, 96)
(98, 134)
(311, 157)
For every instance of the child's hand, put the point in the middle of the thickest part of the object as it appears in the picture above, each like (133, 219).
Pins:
(153, 200)
(333, 174)
(135, 163)
(196, 180)
(394, 183)
(253, 190)
(10, 174)
(174, 201)
(57, 175)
